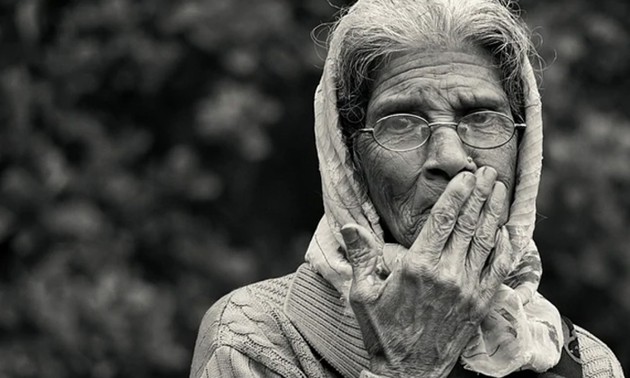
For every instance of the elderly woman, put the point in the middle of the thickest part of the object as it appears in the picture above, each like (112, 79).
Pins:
(429, 136)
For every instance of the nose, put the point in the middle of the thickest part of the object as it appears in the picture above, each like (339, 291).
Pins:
(446, 155)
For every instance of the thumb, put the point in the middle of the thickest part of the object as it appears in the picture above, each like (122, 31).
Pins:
(361, 249)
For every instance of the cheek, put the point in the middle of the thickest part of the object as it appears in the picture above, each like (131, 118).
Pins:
(502, 159)
(387, 173)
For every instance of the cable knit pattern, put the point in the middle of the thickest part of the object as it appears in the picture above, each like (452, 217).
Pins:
(250, 322)
(598, 361)
(248, 333)
(229, 362)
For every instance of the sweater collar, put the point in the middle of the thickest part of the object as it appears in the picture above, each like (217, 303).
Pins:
(316, 309)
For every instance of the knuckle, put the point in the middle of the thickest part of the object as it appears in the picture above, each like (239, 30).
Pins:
(467, 224)
(442, 219)
(359, 255)
(359, 296)
(481, 245)
(483, 239)
(451, 283)
(493, 211)
(411, 270)
(418, 271)
(479, 195)
(499, 270)
(450, 275)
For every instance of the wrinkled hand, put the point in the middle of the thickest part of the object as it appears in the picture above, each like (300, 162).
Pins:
(417, 317)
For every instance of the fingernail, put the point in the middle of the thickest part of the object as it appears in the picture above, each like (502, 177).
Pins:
(489, 173)
(500, 191)
(350, 235)
(469, 178)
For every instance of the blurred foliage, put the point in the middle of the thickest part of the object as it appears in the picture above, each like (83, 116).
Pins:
(157, 154)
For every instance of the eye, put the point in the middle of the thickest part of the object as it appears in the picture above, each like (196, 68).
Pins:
(401, 132)
(480, 120)
(398, 124)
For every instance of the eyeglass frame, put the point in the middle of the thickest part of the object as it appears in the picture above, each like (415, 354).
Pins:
(517, 126)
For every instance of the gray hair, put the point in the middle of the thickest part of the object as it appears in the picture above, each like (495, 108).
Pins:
(373, 30)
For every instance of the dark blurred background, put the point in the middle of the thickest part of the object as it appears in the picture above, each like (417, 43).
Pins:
(156, 154)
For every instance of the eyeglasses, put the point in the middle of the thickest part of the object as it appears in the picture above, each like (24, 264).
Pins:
(483, 130)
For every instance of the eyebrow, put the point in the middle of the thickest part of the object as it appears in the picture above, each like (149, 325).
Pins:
(414, 103)
(397, 104)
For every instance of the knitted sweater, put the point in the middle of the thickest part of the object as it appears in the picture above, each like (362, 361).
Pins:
(297, 326)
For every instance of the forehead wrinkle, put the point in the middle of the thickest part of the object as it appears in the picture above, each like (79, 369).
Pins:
(431, 83)
(428, 59)
(408, 74)
(392, 72)
(481, 93)
(432, 92)
(405, 90)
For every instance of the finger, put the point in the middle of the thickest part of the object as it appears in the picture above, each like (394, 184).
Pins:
(391, 254)
(439, 225)
(499, 265)
(484, 237)
(362, 252)
(469, 215)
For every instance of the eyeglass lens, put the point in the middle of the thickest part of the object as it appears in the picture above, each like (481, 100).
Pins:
(401, 132)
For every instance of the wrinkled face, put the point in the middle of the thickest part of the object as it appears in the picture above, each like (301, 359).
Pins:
(440, 87)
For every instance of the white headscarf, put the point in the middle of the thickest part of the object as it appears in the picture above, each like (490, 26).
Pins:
(523, 330)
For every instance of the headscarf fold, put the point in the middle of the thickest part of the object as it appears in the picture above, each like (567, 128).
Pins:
(523, 330)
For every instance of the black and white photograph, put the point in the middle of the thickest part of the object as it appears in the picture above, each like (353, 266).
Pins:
(314, 188)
